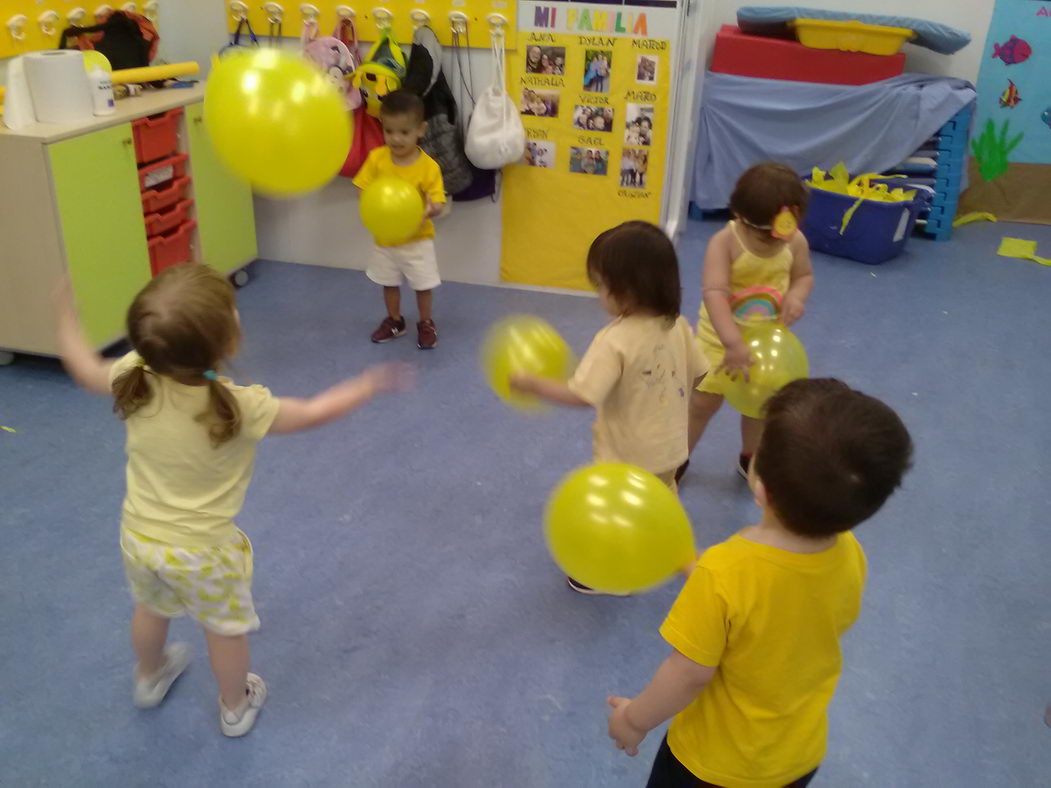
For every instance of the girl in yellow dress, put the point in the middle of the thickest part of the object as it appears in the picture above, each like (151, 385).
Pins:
(760, 250)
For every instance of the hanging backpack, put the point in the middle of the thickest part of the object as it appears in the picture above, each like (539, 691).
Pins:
(335, 57)
(127, 40)
(243, 26)
(495, 136)
(443, 140)
(381, 73)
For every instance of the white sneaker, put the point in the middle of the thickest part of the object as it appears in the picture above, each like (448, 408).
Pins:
(239, 722)
(149, 692)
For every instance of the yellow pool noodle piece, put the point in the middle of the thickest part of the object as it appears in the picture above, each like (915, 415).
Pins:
(155, 73)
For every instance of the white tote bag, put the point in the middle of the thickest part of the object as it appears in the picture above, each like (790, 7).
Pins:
(495, 136)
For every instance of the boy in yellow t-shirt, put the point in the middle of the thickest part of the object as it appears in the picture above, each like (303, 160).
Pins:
(402, 118)
(756, 629)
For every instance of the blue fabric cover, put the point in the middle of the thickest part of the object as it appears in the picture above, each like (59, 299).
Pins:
(764, 20)
(871, 128)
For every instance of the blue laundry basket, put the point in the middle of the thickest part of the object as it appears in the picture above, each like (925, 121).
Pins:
(876, 233)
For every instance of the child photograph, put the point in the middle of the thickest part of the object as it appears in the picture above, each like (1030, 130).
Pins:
(597, 65)
(633, 165)
(646, 69)
(546, 60)
(638, 126)
(588, 161)
(540, 154)
(587, 118)
(540, 103)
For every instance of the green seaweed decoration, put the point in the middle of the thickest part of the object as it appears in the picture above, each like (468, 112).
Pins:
(991, 150)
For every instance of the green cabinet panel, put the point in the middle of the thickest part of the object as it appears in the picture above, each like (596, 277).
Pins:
(225, 216)
(96, 186)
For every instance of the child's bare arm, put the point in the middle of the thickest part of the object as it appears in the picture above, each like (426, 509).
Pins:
(296, 415)
(547, 389)
(674, 686)
(79, 358)
(801, 280)
(715, 284)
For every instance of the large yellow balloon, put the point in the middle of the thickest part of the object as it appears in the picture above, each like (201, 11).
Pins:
(94, 59)
(778, 358)
(276, 120)
(617, 528)
(392, 210)
(523, 344)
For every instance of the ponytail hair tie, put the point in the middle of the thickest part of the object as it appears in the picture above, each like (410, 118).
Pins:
(209, 374)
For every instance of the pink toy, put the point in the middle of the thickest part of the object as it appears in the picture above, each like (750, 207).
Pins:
(337, 55)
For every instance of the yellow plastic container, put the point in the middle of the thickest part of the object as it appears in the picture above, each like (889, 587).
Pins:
(850, 36)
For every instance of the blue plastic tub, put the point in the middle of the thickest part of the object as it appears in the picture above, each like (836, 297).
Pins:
(876, 233)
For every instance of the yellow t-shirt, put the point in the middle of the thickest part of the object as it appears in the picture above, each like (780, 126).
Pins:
(181, 489)
(638, 374)
(424, 174)
(771, 621)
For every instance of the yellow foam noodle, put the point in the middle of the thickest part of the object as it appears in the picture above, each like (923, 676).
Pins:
(973, 216)
(155, 73)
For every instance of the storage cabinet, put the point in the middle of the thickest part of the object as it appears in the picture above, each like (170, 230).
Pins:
(72, 200)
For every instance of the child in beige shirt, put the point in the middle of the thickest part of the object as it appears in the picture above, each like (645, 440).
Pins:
(640, 369)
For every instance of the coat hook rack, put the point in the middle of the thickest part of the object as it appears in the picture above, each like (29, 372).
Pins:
(345, 12)
(150, 10)
(459, 21)
(102, 11)
(275, 13)
(76, 16)
(47, 22)
(16, 26)
(238, 10)
(383, 18)
(420, 18)
(131, 8)
(309, 11)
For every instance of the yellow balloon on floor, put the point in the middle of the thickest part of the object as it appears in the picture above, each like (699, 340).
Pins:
(392, 210)
(778, 358)
(523, 344)
(276, 120)
(94, 59)
(617, 528)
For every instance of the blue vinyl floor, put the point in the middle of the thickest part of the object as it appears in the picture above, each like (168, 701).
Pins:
(415, 632)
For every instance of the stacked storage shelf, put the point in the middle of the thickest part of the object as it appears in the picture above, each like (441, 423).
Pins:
(164, 185)
(936, 172)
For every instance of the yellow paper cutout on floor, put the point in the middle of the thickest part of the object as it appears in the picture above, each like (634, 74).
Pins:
(973, 216)
(1021, 249)
(8, 429)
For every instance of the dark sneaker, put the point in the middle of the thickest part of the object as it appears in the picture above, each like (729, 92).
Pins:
(744, 462)
(427, 334)
(389, 329)
(580, 588)
(681, 471)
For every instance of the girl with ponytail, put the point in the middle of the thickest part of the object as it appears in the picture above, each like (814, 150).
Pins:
(191, 440)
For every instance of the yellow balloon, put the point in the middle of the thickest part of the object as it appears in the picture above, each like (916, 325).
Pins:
(94, 58)
(617, 528)
(276, 120)
(778, 358)
(392, 210)
(523, 344)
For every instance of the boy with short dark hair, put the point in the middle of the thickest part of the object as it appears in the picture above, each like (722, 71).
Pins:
(403, 122)
(756, 629)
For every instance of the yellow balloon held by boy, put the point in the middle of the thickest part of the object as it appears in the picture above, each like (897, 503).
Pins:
(392, 210)
(618, 529)
(276, 121)
(523, 344)
(778, 358)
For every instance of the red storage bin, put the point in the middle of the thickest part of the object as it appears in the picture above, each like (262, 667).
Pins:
(163, 171)
(158, 199)
(171, 248)
(774, 58)
(156, 136)
(163, 221)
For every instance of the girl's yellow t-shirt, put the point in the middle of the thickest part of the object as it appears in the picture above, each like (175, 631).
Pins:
(181, 489)
(771, 621)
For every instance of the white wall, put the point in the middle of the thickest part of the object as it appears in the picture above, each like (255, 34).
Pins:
(971, 16)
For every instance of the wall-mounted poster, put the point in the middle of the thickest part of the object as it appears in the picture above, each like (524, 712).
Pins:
(1010, 166)
(592, 83)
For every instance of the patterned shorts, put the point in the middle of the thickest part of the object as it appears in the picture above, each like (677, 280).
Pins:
(212, 584)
